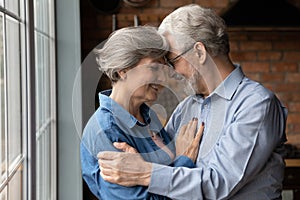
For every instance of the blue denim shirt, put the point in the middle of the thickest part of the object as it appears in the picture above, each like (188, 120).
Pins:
(112, 123)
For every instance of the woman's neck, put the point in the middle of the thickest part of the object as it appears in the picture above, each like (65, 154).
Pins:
(127, 101)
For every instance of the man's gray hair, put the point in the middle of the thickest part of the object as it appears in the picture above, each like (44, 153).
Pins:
(127, 46)
(198, 24)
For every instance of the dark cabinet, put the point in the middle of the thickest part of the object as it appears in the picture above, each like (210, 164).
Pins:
(291, 180)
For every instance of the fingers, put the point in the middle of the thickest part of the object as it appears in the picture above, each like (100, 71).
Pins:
(105, 169)
(192, 126)
(199, 133)
(109, 175)
(193, 149)
(198, 136)
(183, 129)
(124, 147)
(105, 164)
(186, 136)
(191, 130)
(189, 127)
(109, 155)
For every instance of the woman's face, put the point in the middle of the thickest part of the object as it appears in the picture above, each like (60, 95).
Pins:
(145, 81)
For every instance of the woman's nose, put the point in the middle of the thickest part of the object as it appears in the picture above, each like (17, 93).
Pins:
(162, 76)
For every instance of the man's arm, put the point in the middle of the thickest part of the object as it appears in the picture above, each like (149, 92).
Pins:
(123, 168)
(241, 153)
(245, 154)
(128, 168)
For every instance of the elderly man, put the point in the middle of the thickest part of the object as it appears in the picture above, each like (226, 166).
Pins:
(239, 156)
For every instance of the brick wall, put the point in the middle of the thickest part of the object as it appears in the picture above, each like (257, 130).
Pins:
(273, 59)
(268, 55)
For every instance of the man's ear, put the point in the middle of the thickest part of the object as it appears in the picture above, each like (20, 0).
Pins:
(201, 51)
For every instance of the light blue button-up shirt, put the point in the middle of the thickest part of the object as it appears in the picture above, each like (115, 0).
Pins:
(112, 123)
(240, 153)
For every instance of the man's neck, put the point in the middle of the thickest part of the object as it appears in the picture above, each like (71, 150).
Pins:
(217, 70)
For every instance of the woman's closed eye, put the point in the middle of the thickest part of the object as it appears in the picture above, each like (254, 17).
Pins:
(156, 67)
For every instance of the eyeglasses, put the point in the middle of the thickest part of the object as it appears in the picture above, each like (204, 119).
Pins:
(171, 62)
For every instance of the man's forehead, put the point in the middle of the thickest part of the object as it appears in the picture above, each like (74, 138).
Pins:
(177, 41)
(173, 41)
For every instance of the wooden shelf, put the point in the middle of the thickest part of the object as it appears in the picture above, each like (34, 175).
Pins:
(292, 162)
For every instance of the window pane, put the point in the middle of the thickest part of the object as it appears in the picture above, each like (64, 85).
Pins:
(45, 98)
(43, 165)
(37, 14)
(42, 15)
(2, 102)
(44, 121)
(46, 16)
(46, 79)
(12, 6)
(13, 90)
(38, 68)
(22, 9)
(42, 79)
(3, 194)
(15, 188)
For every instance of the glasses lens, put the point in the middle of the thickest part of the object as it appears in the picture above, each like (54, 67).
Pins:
(169, 63)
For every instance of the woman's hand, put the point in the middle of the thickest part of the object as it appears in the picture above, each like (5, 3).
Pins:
(125, 147)
(187, 143)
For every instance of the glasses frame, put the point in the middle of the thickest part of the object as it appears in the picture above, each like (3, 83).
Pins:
(171, 62)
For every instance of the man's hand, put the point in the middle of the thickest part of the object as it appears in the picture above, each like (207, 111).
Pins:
(127, 169)
(187, 142)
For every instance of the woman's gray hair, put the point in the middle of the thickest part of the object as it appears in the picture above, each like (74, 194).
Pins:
(199, 25)
(127, 46)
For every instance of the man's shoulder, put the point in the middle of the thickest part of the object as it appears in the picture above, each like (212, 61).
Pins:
(255, 88)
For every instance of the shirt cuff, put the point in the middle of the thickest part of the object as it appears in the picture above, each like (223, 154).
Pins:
(183, 161)
(160, 179)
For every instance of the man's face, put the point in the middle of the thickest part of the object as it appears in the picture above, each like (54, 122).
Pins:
(185, 63)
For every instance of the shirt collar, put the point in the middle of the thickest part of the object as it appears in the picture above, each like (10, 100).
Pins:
(119, 112)
(229, 86)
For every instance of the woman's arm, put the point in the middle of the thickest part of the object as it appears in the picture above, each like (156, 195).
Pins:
(95, 140)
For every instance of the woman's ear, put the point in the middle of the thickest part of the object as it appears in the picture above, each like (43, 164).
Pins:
(122, 74)
(201, 51)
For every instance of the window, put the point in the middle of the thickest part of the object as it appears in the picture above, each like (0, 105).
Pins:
(45, 99)
(12, 152)
(16, 96)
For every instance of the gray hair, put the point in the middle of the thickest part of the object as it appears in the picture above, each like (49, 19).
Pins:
(198, 24)
(127, 46)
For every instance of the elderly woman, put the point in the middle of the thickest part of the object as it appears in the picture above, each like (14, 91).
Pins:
(133, 59)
